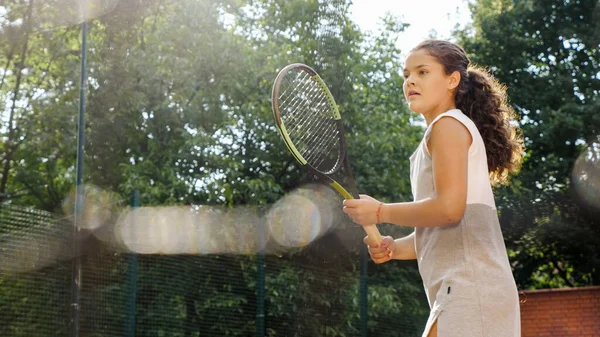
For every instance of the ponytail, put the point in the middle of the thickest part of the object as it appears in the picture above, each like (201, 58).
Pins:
(483, 99)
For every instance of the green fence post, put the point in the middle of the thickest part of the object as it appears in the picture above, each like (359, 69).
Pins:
(363, 293)
(260, 282)
(76, 268)
(132, 275)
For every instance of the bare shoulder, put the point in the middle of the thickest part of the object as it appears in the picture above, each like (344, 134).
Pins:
(449, 133)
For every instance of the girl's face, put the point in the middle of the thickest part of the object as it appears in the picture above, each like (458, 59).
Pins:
(427, 88)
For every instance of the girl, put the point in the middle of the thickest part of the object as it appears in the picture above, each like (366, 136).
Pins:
(469, 143)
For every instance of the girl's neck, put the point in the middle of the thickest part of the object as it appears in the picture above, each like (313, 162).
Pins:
(440, 109)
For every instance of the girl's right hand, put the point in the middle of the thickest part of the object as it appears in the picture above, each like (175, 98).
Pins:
(383, 252)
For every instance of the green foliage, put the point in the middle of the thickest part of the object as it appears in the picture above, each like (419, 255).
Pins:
(178, 108)
(546, 52)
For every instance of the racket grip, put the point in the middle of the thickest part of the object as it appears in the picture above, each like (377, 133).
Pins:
(373, 233)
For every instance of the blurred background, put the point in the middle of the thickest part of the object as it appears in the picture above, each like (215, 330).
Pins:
(145, 191)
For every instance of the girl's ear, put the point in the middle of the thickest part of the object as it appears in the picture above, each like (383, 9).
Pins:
(453, 80)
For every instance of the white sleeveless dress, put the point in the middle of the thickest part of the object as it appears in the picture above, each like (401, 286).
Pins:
(465, 269)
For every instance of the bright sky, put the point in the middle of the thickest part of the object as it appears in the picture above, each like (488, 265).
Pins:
(424, 17)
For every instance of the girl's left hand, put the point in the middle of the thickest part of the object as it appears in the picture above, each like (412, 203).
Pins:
(363, 211)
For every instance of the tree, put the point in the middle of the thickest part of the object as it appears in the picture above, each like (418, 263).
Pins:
(546, 52)
(178, 109)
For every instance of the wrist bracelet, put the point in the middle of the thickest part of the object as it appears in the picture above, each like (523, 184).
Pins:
(379, 212)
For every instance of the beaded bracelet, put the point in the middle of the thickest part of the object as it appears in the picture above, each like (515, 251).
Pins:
(379, 212)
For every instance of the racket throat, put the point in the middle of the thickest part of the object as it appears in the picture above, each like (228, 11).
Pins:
(341, 190)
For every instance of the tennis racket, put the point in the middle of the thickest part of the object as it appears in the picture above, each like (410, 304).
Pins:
(311, 127)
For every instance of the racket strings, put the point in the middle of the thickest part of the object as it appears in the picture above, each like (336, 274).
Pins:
(316, 102)
(318, 138)
(318, 106)
(312, 138)
(322, 144)
(310, 123)
(306, 85)
(326, 144)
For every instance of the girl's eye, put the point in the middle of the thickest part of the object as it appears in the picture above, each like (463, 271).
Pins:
(423, 72)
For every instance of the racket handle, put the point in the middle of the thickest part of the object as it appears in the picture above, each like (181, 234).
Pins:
(373, 233)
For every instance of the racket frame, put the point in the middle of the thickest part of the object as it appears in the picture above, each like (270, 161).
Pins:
(351, 191)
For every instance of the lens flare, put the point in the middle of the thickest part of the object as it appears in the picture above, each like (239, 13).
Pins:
(585, 176)
(300, 217)
(190, 230)
(97, 207)
(294, 221)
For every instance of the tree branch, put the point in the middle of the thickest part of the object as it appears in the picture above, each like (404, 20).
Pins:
(11, 129)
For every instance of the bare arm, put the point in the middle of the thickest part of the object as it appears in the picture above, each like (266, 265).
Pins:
(404, 248)
(449, 146)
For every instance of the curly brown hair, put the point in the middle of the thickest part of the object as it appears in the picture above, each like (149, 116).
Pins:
(483, 99)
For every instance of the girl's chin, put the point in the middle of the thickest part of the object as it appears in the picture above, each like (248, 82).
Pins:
(415, 108)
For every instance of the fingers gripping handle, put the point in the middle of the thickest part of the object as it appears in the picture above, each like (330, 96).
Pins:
(372, 231)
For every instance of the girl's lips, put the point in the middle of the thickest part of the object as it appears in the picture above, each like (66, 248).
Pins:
(413, 94)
